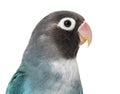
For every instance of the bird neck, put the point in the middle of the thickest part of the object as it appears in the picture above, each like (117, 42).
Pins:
(42, 49)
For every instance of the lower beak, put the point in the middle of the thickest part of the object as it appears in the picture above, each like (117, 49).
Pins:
(85, 33)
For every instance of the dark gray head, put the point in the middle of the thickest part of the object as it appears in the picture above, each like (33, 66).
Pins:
(58, 33)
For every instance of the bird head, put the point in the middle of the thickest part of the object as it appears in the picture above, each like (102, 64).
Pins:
(67, 30)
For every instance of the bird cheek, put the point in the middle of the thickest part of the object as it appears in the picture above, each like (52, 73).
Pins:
(53, 25)
(85, 33)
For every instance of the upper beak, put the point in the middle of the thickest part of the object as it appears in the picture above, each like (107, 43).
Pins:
(85, 33)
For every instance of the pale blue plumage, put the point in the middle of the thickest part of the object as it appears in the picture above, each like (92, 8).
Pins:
(16, 84)
(42, 82)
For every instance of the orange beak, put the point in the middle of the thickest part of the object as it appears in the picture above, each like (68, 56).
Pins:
(85, 33)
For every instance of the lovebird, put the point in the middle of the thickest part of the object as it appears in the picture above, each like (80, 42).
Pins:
(49, 63)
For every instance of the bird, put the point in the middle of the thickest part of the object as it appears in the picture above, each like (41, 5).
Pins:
(49, 64)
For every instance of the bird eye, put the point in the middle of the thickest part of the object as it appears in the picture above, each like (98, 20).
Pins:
(67, 23)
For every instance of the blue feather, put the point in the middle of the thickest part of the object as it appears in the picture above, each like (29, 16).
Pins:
(16, 84)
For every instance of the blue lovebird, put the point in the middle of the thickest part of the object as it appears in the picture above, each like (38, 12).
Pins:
(49, 62)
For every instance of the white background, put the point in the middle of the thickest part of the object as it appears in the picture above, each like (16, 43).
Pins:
(99, 64)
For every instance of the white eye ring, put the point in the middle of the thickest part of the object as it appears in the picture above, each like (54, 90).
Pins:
(71, 24)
